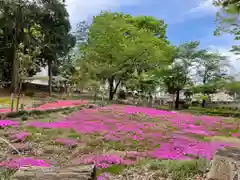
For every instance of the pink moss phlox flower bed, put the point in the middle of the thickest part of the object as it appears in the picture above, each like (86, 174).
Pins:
(63, 103)
(103, 176)
(67, 142)
(236, 135)
(4, 110)
(53, 105)
(104, 161)
(21, 136)
(5, 123)
(179, 147)
(20, 162)
(115, 123)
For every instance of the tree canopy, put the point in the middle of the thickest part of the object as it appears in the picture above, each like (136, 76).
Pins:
(34, 24)
(228, 19)
(120, 45)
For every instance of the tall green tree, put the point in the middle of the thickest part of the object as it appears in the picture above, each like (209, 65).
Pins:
(82, 32)
(17, 20)
(175, 80)
(56, 27)
(211, 72)
(117, 47)
(228, 19)
(211, 66)
(179, 74)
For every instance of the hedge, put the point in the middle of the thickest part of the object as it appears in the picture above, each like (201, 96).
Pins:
(215, 112)
(226, 112)
(38, 112)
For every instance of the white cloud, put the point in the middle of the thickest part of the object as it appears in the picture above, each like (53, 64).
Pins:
(197, 9)
(204, 7)
(85, 9)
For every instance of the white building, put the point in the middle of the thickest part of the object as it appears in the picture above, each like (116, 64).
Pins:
(43, 72)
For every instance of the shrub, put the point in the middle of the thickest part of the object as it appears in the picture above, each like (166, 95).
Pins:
(24, 117)
(29, 93)
(195, 103)
(186, 106)
(163, 107)
(15, 114)
(122, 94)
(216, 111)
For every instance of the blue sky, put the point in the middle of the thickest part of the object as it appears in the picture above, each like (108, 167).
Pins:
(187, 20)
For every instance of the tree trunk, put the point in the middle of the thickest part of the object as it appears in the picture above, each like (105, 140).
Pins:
(95, 96)
(173, 99)
(85, 172)
(177, 99)
(12, 101)
(111, 88)
(150, 100)
(18, 96)
(15, 63)
(15, 67)
(50, 77)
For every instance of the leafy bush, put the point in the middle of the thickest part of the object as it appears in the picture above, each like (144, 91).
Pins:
(195, 103)
(29, 93)
(163, 107)
(24, 117)
(216, 111)
(16, 114)
(186, 106)
(122, 94)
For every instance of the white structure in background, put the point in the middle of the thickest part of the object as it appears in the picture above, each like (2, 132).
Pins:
(222, 96)
(161, 94)
(43, 72)
(237, 77)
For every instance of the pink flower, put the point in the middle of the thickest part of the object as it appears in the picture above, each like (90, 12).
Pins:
(21, 136)
(103, 176)
(137, 138)
(236, 135)
(20, 162)
(5, 123)
(104, 161)
(52, 105)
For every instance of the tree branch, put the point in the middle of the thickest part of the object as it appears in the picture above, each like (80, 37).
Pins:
(134, 59)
